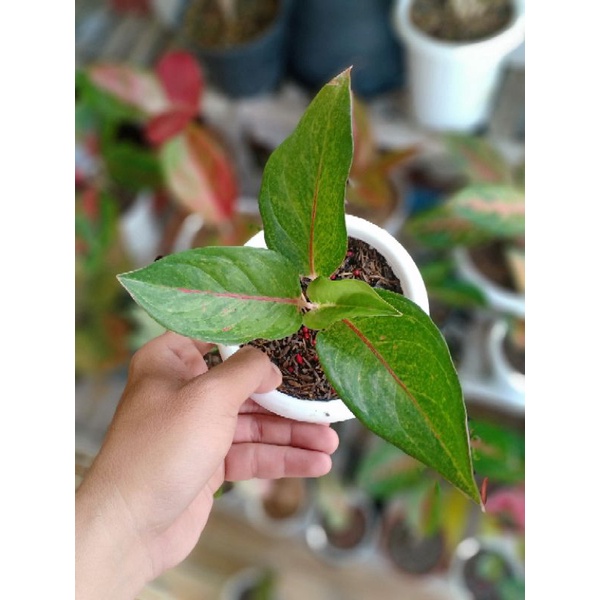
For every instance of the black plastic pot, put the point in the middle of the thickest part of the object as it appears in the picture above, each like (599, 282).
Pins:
(327, 36)
(248, 69)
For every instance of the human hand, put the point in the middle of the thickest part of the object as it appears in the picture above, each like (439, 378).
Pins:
(179, 432)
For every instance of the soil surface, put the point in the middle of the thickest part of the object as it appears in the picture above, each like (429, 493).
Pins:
(286, 497)
(296, 355)
(438, 19)
(206, 24)
(490, 259)
(351, 535)
(411, 553)
(515, 354)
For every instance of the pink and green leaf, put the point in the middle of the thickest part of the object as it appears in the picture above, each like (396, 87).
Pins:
(406, 392)
(199, 174)
(228, 295)
(478, 159)
(493, 208)
(133, 86)
(304, 184)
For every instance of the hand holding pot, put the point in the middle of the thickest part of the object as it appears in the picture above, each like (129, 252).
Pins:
(178, 433)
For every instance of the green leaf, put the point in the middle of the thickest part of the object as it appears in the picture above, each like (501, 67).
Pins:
(304, 183)
(440, 228)
(496, 209)
(395, 373)
(384, 471)
(478, 158)
(342, 299)
(227, 295)
(133, 167)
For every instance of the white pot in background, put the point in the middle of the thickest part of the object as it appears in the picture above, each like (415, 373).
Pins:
(332, 411)
(452, 84)
(499, 299)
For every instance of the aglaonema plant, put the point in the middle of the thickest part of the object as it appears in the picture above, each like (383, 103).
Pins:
(381, 352)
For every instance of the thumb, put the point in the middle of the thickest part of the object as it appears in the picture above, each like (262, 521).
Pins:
(227, 386)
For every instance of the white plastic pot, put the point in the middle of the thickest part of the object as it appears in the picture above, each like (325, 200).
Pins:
(452, 85)
(332, 411)
(498, 298)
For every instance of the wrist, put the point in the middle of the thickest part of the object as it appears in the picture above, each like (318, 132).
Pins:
(111, 560)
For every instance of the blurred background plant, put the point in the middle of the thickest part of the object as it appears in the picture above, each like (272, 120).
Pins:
(146, 160)
(424, 519)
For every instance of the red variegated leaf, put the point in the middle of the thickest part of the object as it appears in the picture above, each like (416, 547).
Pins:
(132, 86)
(181, 78)
(199, 174)
(167, 125)
(89, 203)
(211, 157)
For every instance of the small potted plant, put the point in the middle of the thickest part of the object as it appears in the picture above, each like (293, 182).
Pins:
(281, 507)
(383, 358)
(344, 526)
(481, 226)
(456, 50)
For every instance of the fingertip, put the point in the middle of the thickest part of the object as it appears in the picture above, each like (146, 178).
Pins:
(331, 439)
(321, 465)
(272, 375)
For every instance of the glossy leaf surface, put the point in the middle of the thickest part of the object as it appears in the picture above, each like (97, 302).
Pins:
(224, 295)
(396, 375)
(304, 182)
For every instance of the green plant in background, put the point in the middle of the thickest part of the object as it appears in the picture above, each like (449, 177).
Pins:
(102, 320)
(382, 353)
(489, 209)
(386, 473)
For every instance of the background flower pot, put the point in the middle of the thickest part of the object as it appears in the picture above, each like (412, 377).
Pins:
(500, 299)
(405, 548)
(249, 583)
(245, 68)
(506, 376)
(488, 568)
(331, 411)
(354, 539)
(280, 507)
(327, 37)
(452, 84)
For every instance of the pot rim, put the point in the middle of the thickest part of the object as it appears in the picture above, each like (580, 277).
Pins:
(500, 299)
(500, 43)
(332, 411)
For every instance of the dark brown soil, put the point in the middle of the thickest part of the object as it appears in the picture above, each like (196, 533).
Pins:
(296, 355)
(206, 24)
(352, 533)
(485, 587)
(491, 261)
(438, 19)
(411, 553)
(515, 355)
